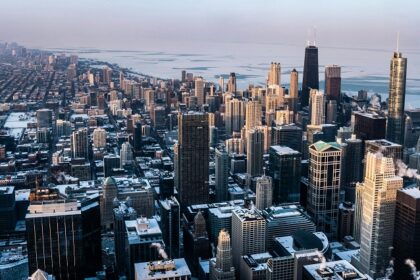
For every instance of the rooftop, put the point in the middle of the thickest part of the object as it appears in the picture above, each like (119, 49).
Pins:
(143, 230)
(284, 150)
(168, 269)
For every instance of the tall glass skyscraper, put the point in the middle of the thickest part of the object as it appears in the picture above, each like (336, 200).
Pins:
(397, 79)
(310, 73)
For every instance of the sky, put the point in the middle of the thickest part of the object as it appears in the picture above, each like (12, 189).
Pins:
(151, 24)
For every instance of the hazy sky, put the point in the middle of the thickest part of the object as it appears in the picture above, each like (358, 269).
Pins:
(141, 24)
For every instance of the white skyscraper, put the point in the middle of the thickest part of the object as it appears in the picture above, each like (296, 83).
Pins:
(375, 204)
(264, 189)
(199, 91)
(222, 268)
(248, 230)
(126, 154)
(317, 107)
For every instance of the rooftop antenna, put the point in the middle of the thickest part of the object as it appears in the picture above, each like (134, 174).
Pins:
(398, 41)
(308, 34)
(314, 35)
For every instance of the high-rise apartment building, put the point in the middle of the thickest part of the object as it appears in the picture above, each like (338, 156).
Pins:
(79, 144)
(324, 185)
(375, 213)
(397, 80)
(192, 158)
(310, 73)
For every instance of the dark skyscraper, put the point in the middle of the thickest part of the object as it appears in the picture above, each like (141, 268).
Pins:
(191, 159)
(397, 78)
(310, 73)
(285, 169)
(406, 238)
(170, 225)
(333, 82)
(122, 212)
(64, 238)
(137, 137)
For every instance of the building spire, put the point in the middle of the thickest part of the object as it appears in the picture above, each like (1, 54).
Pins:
(398, 41)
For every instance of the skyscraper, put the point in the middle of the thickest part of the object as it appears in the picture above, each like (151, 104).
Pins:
(221, 174)
(397, 79)
(99, 137)
(324, 185)
(199, 91)
(255, 152)
(234, 115)
(79, 144)
(310, 73)
(191, 158)
(285, 169)
(248, 228)
(253, 115)
(407, 221)
(317, 107)
(110, 162)
(170, 225)
(333, 82)
(231, 86)
(375, 212)
(274, 75)
(44, 118)
(122, 212)
(289, 135)
(264, 192)
(126, 154)
(222, 268)
(64, 238)
(109, 193)
(294, 91)
(137, 137)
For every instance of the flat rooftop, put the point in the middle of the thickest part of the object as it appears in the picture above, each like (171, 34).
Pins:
(150, 271)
